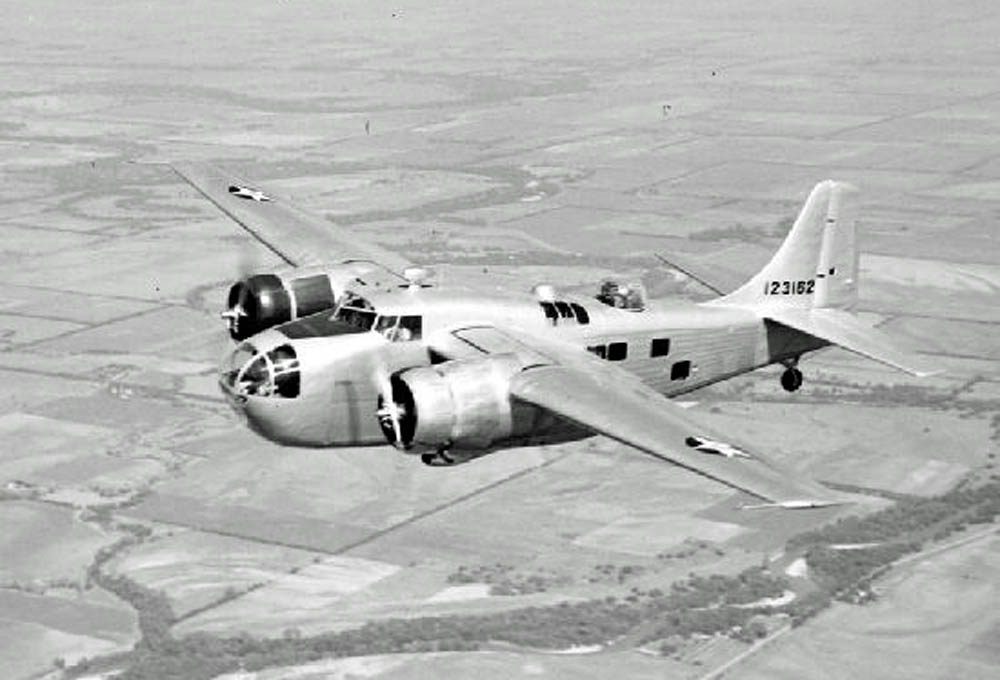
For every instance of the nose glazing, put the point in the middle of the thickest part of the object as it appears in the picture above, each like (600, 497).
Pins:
(250, 372)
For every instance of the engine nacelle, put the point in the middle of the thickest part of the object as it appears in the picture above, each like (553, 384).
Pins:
(264, 300)
(456, 404)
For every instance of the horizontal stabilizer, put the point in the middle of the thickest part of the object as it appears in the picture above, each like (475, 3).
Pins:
(845, 330)
(715, 279)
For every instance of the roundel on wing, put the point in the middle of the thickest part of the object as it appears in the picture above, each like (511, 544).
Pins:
(248, 193)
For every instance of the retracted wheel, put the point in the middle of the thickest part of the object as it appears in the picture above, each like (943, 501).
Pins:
(439, 459)
(791, 379)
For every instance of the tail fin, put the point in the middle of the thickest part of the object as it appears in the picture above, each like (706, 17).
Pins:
(816, 266)
(811, 283)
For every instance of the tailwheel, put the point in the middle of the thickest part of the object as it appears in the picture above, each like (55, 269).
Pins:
(791, 379)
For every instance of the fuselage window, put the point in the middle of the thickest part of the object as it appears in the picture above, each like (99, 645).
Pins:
(659, 347)
(550, 311)
(581, 313)
(680, 370)
(599, 350)
(617, 351)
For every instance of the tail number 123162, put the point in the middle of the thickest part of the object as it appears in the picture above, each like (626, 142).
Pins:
(786, 287)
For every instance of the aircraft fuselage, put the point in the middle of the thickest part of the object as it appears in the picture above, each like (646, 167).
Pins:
(673, 346)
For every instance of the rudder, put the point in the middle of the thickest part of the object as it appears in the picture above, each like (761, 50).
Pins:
(816, 265)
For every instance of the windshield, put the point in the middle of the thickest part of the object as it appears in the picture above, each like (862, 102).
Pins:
(355, 316)
(399, 328)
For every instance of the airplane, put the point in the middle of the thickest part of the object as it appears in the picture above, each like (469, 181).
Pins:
(352, 344)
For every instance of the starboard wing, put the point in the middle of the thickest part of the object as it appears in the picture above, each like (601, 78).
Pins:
(606, 400)
(298, 237)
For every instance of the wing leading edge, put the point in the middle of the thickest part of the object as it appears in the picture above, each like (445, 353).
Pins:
(645, 420)
(606, 400)
(298, 237)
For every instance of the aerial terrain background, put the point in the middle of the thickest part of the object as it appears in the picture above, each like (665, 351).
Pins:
(515, 142)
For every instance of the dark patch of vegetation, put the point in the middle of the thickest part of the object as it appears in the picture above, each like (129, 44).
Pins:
(911, 518)
(732, 232)
(505, 580)
(705, 605)
(612, 573)
(846, 574)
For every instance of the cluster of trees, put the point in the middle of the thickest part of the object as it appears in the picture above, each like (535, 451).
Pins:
(615, 573)
(505, 580)
(911, 518)
(893, 532)
(690, 549)
(844, 574)
(698, 605)
(706, 605)
(482, 573)
(733, 232)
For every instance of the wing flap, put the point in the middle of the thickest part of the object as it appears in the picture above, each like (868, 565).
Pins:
(845, 330)
(298, 237)
(636, 415)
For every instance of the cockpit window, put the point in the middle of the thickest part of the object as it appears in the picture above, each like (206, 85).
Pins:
(399, 328)
(274, 374)
(285, 365)
(360, 318)
(239, 358)
(386, 325)
(255, 378)
(411, 328)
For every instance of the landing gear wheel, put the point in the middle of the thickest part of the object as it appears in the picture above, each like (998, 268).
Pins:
(791, 379)
(437, 459)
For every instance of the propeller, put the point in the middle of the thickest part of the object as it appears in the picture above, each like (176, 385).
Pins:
(240, 300)
(389, 413)
(249, 260)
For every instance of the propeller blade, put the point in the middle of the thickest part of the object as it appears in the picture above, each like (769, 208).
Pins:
(249, 260)
(389, 409)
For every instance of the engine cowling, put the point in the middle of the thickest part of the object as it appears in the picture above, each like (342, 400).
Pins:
(456, 404)
(256, 303)
(264, 300)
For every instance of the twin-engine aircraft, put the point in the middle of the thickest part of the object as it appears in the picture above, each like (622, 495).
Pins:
(369, 350)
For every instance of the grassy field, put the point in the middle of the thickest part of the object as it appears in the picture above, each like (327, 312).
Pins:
(521, 142)
(44, 544)
(936, 618)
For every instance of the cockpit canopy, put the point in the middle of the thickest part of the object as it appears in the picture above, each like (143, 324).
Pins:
(630, 296)
(358, 312)
(250, 372)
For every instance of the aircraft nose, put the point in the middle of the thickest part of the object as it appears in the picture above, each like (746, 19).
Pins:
(226, 386)
(271, 372)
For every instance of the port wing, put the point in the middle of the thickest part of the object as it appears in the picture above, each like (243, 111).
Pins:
(298, 237)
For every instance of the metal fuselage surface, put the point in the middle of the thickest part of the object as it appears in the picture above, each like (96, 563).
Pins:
(673, 346)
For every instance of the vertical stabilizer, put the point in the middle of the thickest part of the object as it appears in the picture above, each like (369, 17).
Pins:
(817, 264)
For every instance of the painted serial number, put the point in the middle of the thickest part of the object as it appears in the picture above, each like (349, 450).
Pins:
(800, 287)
